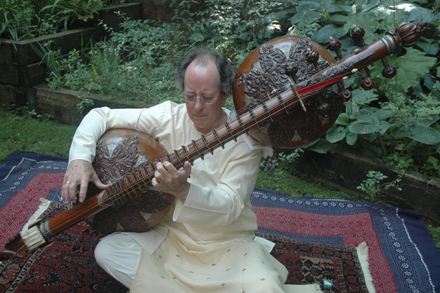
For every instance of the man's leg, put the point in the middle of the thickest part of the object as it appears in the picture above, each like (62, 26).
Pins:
(119, 255)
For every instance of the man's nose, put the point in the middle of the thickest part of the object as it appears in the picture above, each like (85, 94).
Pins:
(198, 104)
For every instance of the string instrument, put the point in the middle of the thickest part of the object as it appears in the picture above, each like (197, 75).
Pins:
(287, 92)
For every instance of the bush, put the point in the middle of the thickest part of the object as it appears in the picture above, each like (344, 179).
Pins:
(25, 19)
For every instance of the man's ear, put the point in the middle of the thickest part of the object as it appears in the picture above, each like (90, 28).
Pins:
(224, 97)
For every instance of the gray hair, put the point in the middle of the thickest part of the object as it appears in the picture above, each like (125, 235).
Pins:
(202, 55)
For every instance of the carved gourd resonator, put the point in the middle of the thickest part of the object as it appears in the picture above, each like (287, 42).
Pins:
(285, 63)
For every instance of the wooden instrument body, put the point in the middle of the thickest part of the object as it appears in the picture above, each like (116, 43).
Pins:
(121, 153)
(266, 71)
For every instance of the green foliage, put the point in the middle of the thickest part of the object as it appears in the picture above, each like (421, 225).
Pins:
(138, 62)
(280, 162)
(84, 104)
(70, 10)
(400, 116)
(20, 20)
(374, 187)
(25, 19)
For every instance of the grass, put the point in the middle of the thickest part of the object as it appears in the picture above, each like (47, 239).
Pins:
(33, 133)
(26, 133)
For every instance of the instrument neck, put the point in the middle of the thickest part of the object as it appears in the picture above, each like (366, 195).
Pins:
(275, 107)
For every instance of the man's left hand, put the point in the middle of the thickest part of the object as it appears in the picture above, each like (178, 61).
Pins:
(170, 180)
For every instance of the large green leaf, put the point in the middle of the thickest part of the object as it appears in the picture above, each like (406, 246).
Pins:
(351, 138)
(362, 127)
(343, 119)
(321, 146)
(304, 6)
(367, 114)
(370, 4)
(422, 15)
(430, 48)
(305, 17)
(362, 97)
(382, 114)
(323, 34)
(410, 67)
(197, 37)
(335, 134)
(338, 19)
(339, 8)
(426, 135)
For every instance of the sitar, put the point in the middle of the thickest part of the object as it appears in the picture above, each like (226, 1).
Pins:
(287, 93)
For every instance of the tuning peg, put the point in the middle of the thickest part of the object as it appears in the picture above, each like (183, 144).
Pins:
(367, 83)
(335, 45)
(388, 70)
(313, 57)
(358, 34)
(344, 93)
(291, 70)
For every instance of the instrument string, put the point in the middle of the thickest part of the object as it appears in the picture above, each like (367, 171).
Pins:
(120, 193)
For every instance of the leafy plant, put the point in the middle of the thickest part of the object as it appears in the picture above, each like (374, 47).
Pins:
(84, 104)
(374, 187)
(19, 20)
(280, 162)
(400, 116)
(72, 10)
(138, 61)
(24, 19)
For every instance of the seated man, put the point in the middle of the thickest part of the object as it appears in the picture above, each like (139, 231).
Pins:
(206, 242)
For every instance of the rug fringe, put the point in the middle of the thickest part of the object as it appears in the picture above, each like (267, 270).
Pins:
(40, 210)
(362, 251)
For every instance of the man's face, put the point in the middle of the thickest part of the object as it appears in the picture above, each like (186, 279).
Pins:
(202, 81)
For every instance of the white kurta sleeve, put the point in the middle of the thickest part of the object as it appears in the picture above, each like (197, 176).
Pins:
(223, 203)
(95, 124)
(148, 120)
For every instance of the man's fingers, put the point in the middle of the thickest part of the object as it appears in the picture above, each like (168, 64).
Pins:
(83, 190)
(187, 168)
(98, 183)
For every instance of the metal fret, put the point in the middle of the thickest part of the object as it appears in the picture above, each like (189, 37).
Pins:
(266, 109)
(178, 157)
(230, 131)
(205, 141)
(282, 103)
(255, 118)
(197, 149)
(218, 138)
(241, 123)
(187, 154)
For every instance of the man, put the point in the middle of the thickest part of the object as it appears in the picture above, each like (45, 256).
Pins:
(206, 241)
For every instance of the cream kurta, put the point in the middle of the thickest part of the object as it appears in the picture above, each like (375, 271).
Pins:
(208, 243)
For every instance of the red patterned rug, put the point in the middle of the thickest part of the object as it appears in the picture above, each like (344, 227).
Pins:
(310, 263)
(68, 264)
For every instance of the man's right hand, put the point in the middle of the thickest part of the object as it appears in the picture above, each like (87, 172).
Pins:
(79, 172)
